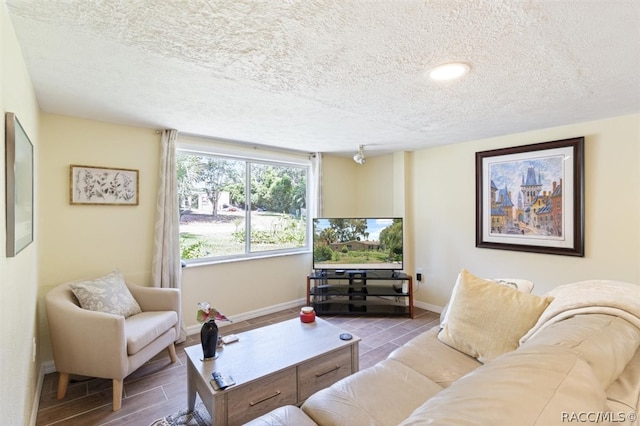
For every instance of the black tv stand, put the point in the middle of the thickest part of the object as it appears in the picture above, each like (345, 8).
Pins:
(360, 292)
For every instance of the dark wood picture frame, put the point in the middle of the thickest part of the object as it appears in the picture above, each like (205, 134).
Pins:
(19, 186)
(531, 198)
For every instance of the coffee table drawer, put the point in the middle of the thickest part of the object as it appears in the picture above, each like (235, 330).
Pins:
(255, 399)
(323, 371)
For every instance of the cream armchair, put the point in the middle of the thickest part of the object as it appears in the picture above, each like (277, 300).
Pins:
(98, 344)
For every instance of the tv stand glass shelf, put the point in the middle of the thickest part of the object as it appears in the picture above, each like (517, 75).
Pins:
(360, 292)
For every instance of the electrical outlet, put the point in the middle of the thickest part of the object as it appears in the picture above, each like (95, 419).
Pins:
(419, 274)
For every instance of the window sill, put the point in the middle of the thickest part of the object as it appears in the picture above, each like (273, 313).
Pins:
(257, 256)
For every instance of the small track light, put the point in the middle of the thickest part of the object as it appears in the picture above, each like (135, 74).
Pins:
(359, 157)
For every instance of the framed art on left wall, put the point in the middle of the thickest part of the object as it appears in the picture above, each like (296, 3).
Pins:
(19, 186)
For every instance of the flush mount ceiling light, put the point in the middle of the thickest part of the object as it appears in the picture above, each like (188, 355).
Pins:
(359, 157)
(450, 71)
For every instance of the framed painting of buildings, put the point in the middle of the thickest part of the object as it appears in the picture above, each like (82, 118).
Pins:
(531, 198)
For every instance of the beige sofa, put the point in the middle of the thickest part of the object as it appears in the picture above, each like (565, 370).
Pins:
(579, 363)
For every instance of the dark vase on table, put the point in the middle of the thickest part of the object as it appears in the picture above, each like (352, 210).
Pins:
(209, 339)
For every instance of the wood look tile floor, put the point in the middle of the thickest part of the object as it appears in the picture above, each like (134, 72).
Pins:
(159, 388)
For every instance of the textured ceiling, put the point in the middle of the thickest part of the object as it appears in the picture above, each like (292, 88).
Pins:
(323, 75)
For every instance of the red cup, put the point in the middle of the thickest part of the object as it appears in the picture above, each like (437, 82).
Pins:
(307, 314)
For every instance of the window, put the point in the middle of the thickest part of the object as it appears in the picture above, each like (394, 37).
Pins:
(232, 207)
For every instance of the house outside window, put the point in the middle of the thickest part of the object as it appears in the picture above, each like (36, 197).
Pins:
(234, 207)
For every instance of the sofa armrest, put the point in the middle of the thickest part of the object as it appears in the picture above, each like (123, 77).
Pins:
(80, 338)
(155, 298)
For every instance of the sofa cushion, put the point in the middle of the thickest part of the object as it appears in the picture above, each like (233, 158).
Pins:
(107, 294)
(606, 342)
(519, 284)
(485, 320)
(433, 359)
(287, 415)
(535, 386)
(385, 393)
(145, 327)
(624, 392)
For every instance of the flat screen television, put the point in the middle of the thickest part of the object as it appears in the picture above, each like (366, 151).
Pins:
(365, 243)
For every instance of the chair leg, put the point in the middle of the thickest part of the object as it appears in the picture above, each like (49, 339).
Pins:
(63, 382)
(117, 394)
(172, 353)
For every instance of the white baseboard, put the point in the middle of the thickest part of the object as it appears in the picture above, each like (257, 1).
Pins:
(48, 367)
(428, 306)
(195, 329)
(35, 405)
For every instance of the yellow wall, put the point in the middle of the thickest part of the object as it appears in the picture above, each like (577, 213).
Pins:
(19, 374)
(351, 190)
(339, 184)
(245, 288)
(80, 241)
(444, 212)
(374, 187)
(84, 241)
(434, 190)
(89, 241)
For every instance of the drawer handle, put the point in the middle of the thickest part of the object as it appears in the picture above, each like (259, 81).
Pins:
(336, 368)
(265, 398)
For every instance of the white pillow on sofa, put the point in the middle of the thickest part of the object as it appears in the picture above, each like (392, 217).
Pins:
(519, 284)
(107, 294)
(485, 320)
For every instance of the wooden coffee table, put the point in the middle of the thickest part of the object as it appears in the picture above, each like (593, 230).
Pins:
(272, 366)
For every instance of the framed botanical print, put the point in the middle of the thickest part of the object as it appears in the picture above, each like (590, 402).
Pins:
(103, 185)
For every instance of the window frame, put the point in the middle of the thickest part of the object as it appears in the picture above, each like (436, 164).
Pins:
(254, 156)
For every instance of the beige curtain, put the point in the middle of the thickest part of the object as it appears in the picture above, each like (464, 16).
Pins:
(315, 209)
(166, 268)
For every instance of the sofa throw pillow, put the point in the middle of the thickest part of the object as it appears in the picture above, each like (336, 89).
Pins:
(515, 283)
(107, 294)
(485, 320)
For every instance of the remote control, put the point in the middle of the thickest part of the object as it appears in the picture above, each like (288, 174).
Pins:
(222, 381)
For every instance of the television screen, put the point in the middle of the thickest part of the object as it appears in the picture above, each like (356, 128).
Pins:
(357, 243)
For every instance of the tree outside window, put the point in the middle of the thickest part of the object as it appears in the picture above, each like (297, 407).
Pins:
(225, 200)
